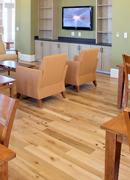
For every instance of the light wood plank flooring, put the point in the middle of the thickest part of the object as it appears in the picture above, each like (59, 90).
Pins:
(63, 140)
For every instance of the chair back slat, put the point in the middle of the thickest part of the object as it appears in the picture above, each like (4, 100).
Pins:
(127, 120)
(126, 60)
(8, 107)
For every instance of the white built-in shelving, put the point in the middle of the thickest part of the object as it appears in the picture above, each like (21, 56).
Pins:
(104, 21)
(48, 19)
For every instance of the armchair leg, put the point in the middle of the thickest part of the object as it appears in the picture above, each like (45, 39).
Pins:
(95, 83)
(77, 88)
(39, 102)
(18, 95)
(63, 94)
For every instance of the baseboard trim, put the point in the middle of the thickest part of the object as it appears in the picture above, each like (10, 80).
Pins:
(26, 57)
(114, 73)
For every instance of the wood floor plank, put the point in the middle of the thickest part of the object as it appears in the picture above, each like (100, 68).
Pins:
(62, 140)
(60, 163)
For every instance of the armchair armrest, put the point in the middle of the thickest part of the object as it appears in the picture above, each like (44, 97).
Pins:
(76, 58)
(16, 52)
(72, 71)
(97, 60)
(28, 80)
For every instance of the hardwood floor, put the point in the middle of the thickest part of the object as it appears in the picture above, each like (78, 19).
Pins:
(63, 140)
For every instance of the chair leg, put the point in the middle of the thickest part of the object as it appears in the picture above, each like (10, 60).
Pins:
(39, 102)
(18, 95)
(77, 88)
(4, 171)
(63, 94)
(95, 83)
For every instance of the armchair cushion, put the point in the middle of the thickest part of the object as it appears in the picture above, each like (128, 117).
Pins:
(4, 57)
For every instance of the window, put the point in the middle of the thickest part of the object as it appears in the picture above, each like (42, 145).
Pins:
(9, 20)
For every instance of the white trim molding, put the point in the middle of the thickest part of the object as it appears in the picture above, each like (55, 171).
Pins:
(114, 73)
(26, 57)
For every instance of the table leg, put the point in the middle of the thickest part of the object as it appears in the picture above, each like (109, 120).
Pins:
(121, 79)
(8, 72)
(4, 171)
(11, 90)
(112, 156)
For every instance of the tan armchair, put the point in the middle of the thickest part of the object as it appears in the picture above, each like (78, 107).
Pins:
(82, 69)
(4, 56)
(46, 81)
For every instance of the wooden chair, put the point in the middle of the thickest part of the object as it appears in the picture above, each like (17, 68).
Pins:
(8, 107)
(126, 60)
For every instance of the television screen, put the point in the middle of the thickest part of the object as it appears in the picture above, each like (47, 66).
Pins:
(78, 18)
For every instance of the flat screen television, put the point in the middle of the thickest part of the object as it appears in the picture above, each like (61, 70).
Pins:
(77, 17)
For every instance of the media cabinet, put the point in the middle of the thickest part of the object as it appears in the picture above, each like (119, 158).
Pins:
(50, 47)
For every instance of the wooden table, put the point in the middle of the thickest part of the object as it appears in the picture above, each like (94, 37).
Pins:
(11, 65)
(121, 80)
(116, 134)
(7, 82)
(5, 155)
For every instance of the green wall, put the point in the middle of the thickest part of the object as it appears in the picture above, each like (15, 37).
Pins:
(26, 20)
(34, 23)
(85, 34)
(121, 24)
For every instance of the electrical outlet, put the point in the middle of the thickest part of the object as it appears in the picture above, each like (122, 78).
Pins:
(72, 33)
(117, 34)
(125, 35)
(79, 33)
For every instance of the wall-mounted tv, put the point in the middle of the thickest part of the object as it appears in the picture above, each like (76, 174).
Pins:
(77, 17)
